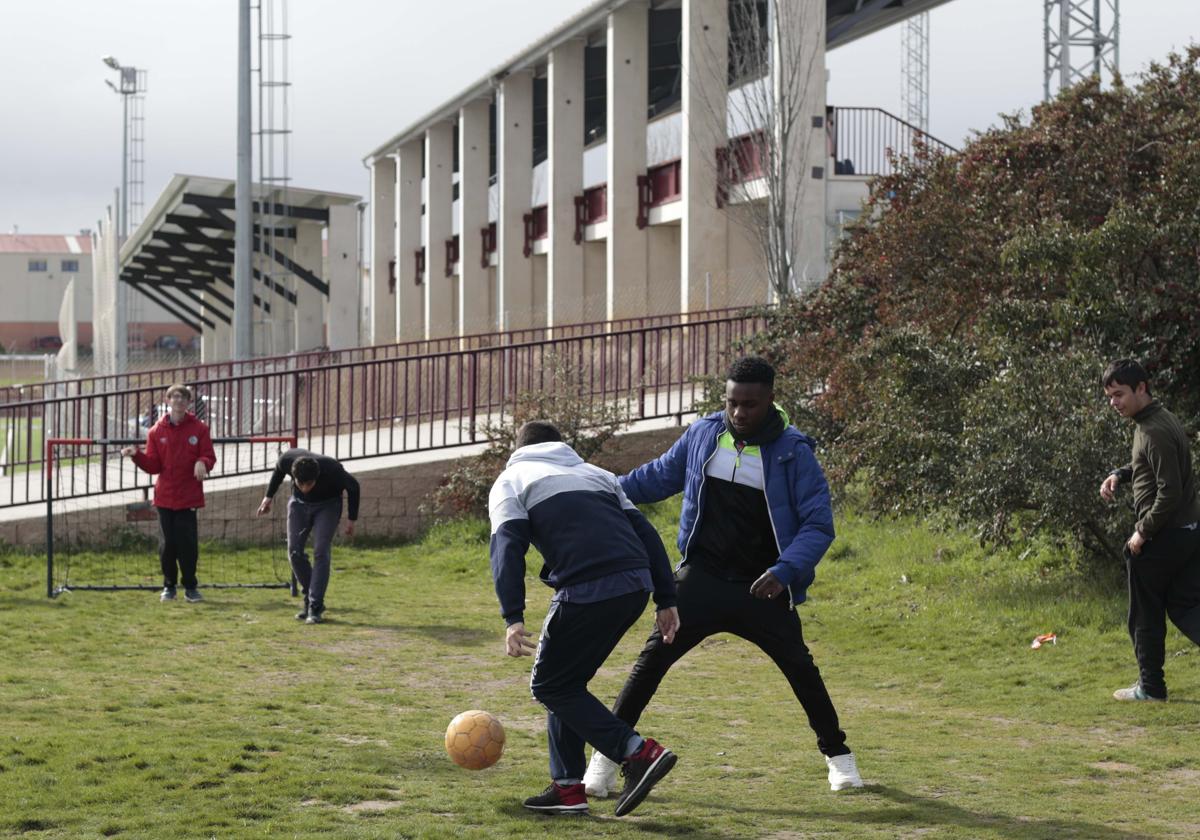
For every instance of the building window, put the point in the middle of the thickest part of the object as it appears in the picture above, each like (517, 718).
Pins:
(38, 265)
(595, 94)
(541, 116)
(664, 76)
(70, 266)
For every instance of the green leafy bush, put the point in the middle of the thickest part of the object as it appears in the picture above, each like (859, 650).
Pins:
(950, 365)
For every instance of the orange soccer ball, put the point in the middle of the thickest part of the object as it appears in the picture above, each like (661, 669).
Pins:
(475, 740)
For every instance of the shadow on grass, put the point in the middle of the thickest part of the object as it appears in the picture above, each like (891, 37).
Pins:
(587, 824)
(924, 810)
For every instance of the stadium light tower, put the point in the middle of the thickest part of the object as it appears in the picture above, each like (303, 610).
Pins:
(1082, 39)
(131, 82)
(914, 71)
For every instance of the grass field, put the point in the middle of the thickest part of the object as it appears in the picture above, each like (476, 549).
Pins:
(123, 717)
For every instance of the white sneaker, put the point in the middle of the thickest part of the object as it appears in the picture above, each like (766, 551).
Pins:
(600, 780)
(843, 772)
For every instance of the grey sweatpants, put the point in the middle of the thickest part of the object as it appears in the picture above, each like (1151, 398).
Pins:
(321, 520)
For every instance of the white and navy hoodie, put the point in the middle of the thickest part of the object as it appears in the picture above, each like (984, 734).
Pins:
(578, 517)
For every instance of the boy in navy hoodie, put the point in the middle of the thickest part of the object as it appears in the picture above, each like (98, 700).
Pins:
(603, 558)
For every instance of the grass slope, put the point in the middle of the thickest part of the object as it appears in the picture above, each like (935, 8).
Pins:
(123, 717)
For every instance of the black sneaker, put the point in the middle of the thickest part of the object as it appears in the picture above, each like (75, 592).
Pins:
(642, 771)
(303, 614)
(192, 596)
(168, 594)
(314, 617)
(559, 800)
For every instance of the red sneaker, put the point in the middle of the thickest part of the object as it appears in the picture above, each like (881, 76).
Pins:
(642, 771)
(557, 799)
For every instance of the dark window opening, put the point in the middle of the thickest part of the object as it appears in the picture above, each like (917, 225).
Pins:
(38, 265)
(492, 140)
(749, 41)
(664, 76)
(454, 154)
(70, 266)
(541, 120)
(595, 94)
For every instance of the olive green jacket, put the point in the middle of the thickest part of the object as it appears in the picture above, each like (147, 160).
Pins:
(1164, 488)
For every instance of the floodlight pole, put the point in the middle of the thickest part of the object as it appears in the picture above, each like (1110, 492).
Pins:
(243, 294)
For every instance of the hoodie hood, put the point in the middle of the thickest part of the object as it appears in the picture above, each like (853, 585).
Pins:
(554, 452)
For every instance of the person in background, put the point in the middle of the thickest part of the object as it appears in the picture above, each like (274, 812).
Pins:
(179, 451)
(315, 508)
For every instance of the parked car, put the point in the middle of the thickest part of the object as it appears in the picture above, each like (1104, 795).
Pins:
(47, 342)
(166, 342)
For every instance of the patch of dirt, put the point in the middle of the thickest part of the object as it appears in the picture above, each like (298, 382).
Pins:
(359, 740)
(372, 805)
(1114, 766)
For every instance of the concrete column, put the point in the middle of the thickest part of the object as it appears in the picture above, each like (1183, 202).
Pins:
(410, 298)
(474, 314)
(564, 271)
(798, 84)
(514, 165)
(383, 249)
(342, 276)
(309, 331)
(439, 162)
(216, 343)
(704, 234)
(627, 246)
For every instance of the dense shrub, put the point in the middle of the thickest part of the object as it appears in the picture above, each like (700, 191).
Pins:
(951, 362)
(586, 425)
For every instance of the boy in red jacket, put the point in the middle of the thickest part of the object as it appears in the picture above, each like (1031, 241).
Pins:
(179, 450)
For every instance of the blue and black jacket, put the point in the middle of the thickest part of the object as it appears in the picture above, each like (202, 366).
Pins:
(797, 495)
(576, 515)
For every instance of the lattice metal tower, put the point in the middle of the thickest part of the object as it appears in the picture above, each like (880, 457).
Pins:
(273, 136)
(1082, 40)
(133, 87)
(914, 71)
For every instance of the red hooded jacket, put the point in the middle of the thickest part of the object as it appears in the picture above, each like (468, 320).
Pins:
(172, 453)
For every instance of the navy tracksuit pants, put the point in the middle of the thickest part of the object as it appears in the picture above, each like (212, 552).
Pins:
(576, 640)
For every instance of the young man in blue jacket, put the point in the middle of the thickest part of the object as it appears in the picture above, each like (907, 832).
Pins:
(755, 521)
(603, 559)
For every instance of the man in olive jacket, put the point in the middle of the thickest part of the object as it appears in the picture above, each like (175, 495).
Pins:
(1163, 554)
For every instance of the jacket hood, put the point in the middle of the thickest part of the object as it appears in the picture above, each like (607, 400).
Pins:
(555, 452)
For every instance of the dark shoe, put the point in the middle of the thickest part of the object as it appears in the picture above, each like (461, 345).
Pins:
(314, 617)
(192, 596)
(642, 771)
(559, 800)
(168, 594)
(303, 614)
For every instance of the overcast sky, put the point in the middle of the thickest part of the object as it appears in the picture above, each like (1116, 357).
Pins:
(364, 69)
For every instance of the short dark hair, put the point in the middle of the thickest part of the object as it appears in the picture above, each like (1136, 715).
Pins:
(305, 469)
(752, 369)
(1125, 372)
(177, 388)
(537, 431)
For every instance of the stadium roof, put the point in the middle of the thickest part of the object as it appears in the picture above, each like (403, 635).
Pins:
(845, 21)
(184, 248)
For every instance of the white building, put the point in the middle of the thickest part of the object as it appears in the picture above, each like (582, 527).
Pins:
(622, 166)
(35, 270)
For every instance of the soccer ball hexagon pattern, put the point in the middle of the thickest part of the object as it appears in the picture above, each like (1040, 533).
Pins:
(475, 739)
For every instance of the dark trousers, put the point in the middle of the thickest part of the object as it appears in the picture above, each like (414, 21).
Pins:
(576, 639)
(708, 605)
(1164, 580)
(320, 520)
(178, 545)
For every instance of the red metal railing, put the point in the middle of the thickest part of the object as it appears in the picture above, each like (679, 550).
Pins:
(358, 407)
(162, 377)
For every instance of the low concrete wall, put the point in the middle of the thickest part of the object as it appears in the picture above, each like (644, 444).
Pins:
(390, 502)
